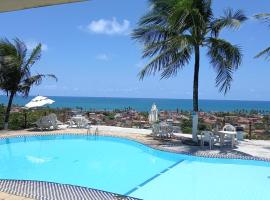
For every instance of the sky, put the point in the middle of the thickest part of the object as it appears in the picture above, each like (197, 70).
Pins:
(88, 47)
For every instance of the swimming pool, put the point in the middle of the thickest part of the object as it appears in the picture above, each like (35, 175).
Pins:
(127, 167)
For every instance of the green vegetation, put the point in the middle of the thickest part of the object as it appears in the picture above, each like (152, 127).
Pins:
(15, 70)
(18, 121)
(186, 126)
(109, 115)
(174, 30)
(145, 114)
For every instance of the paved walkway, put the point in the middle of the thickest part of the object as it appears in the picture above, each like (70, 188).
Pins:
(6, 196)
(40, 190)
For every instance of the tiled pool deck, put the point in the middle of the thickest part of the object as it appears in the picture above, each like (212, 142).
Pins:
(54, 191)
(251, 150)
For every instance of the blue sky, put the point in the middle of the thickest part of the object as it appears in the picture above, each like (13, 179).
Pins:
(88, 47)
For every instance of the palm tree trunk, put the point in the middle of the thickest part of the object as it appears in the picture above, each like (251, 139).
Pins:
(8, 110)
(195, 94)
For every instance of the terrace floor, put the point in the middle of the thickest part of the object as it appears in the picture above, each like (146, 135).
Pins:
(254, 149)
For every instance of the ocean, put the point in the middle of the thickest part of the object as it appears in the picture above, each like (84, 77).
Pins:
(144, 104)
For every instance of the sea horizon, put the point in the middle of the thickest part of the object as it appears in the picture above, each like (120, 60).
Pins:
(144, 104)
(123, 97)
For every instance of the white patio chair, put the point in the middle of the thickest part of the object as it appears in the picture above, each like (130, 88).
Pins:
(85, 123)
(229, 138)
(71, 124)
(229, 127)
(170, 131)
(156, 130)
(164, 131)
(208, 136)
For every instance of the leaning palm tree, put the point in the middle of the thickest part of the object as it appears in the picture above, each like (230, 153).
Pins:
(174, 30)
(264, 17)
(15, 74)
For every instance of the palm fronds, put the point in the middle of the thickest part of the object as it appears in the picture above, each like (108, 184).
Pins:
(230, 19)
(172, 29)
(15, 64)
(264, 17)
(226, 58)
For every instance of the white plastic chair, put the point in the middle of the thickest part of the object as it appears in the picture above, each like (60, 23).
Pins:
(156, 130)
(230, 138)
(208, 136)
(229, 127)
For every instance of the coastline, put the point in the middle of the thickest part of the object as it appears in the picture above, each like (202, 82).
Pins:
(144, 104)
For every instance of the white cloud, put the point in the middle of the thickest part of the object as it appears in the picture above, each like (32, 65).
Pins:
(108, 27)
(103, 57)
(32, 44)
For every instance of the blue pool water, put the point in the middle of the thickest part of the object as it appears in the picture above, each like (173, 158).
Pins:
(126, 167)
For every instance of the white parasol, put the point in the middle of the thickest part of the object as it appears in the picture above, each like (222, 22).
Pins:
(153, 115)
(39, 101)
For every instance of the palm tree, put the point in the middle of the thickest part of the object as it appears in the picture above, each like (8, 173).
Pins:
(173, 30)
(264, 17)
(15, 74)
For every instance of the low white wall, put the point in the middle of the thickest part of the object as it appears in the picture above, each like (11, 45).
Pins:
(120, 129)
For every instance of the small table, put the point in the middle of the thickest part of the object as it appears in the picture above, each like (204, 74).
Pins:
(222, 134)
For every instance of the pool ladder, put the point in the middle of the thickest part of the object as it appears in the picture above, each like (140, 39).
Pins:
(96, 133)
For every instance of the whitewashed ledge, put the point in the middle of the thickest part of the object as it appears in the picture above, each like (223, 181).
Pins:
(115, 129)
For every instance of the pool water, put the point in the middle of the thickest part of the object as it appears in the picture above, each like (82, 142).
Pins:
(127, 167)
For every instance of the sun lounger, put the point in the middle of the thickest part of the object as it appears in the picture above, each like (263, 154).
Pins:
(49, 122)
(79, 122)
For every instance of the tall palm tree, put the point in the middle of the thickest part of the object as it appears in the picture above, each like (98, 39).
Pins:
(174, 30)
(264, 17)
(15, 74)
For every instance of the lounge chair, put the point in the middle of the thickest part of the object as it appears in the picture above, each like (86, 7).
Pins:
(79, 122)
(47, 122)
(50, 122)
